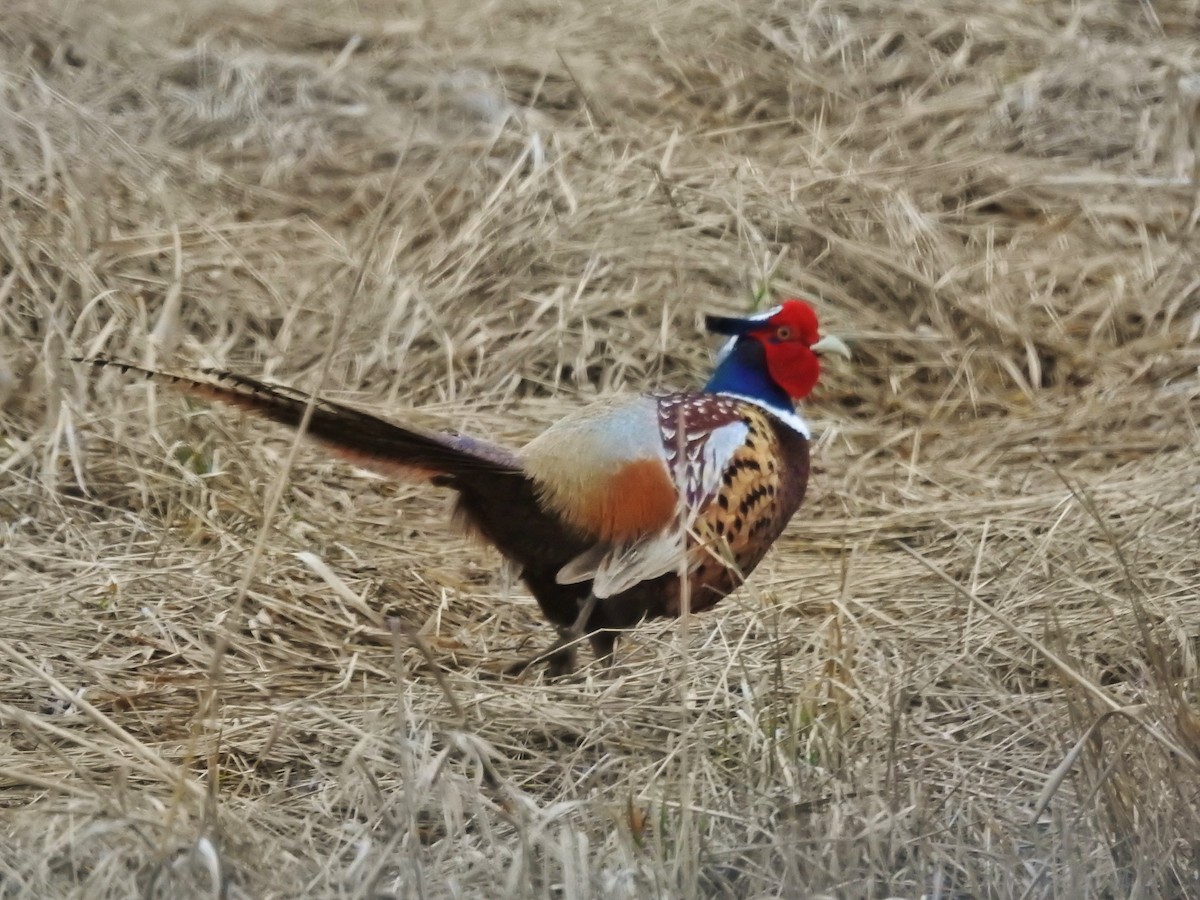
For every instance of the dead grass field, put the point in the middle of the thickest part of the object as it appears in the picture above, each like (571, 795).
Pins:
(969, 669)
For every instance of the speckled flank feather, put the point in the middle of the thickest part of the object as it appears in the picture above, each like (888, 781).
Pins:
(762, 485)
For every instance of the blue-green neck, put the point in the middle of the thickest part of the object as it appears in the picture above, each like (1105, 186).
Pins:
(743, 371)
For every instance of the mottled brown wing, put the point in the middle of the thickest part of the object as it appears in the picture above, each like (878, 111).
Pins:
(701, 433)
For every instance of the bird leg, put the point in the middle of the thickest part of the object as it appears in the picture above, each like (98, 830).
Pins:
(603, 643)
(581, 620)
(560, 657)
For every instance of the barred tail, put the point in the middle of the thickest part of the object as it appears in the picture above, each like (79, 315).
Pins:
(361, 438)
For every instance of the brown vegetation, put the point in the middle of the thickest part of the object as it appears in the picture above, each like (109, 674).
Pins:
(968, 669)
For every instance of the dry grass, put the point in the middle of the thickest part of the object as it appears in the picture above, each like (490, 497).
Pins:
(968, 670)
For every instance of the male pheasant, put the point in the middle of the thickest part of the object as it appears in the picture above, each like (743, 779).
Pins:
(602, 512)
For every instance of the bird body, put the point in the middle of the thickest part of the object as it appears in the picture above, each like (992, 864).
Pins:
(605, 510)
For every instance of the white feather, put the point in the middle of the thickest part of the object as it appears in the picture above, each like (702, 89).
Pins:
(628, 564)
(790, 418)
(726, 349)
(614, 568)
(765, 315)
(717, 451)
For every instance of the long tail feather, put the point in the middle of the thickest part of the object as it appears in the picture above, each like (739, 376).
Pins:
(359, 437)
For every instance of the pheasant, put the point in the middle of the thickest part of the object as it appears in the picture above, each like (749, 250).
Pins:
(605, 510)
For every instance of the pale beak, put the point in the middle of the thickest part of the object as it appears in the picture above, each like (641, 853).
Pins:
(831, 344)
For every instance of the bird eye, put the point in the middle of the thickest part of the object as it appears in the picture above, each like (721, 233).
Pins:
(783, 333)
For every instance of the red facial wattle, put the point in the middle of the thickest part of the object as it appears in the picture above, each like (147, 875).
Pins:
(791, 364)
(786, 339)
(772, 357)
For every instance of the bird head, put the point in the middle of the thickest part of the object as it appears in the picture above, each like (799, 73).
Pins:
(786, 339)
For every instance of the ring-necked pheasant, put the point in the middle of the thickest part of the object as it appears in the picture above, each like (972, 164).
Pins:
(598, 511)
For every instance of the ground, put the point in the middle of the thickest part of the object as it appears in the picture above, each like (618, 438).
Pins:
(233, 666)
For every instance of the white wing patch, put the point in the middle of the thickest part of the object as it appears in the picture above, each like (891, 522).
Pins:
(631, 563)
(699, 476)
